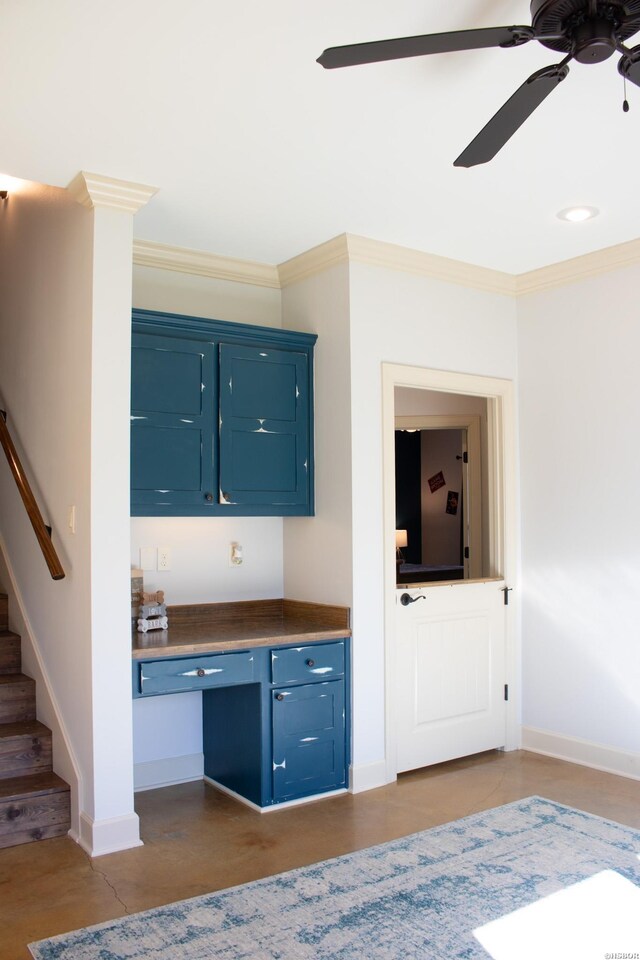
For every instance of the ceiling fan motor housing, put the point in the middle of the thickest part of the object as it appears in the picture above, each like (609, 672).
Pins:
(589, 30)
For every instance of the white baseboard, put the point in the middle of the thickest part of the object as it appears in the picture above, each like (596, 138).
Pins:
(99, 837)
(368, 776)
(588, 754)
(273, 806)
(164, 773)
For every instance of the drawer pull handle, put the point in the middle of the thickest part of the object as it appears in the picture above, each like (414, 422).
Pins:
(208, 497)
(310, 662)
(279, 696)
(201, 672)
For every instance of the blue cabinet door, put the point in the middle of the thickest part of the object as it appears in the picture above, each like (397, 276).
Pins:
(265, 448)
(308, 739)
(173, 402)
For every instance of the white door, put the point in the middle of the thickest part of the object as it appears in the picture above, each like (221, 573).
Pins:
(450, 672)
(450, 655)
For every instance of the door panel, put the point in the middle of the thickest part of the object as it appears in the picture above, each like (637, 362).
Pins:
(450, 672)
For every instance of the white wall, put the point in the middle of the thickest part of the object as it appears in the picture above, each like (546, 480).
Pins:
(45, 378)
(318, 552)
(441, 530)
(170, 727)
(579, 401)
(407, 319)
(410, 402)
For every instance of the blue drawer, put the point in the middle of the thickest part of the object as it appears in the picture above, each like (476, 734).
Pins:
(198, 673)
(320, 661)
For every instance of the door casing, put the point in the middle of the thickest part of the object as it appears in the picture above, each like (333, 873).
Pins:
(501, 527)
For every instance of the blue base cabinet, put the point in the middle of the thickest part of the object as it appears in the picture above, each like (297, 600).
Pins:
(221, 418)
(275, 720)
(308, 739)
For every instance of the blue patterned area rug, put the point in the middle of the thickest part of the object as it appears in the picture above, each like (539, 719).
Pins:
(520, 872)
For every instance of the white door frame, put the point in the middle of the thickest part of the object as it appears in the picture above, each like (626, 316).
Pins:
(501, 470)
(471, 505)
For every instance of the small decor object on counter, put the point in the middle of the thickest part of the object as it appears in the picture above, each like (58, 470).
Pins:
(137, 594)
(152, 612)
(159, 623)
(156, 596)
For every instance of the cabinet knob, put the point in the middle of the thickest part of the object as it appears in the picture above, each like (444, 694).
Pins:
(208, 497)
(310, 662)
(279, 696)
(200, 672)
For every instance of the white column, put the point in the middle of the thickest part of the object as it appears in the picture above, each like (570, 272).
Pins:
(108, 821)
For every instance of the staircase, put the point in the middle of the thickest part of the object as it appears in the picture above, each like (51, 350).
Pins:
(34, 801)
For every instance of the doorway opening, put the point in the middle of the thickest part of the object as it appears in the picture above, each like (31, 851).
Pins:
(449, 660)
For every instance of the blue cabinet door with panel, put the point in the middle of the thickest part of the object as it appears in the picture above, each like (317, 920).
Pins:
(173, 388)
(221, 418)
(308, 739)
(264, 426)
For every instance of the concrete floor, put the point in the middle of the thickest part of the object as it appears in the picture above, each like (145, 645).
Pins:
(197, 840)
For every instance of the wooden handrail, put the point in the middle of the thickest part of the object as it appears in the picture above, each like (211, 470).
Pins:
(42, 532)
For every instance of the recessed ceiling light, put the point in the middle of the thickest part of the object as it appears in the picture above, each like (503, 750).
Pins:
(578, 214)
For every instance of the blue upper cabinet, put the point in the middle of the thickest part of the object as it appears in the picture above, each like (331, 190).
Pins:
(264, 432)
(221, 418)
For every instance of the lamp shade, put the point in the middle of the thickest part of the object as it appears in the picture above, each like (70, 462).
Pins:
(401, 538)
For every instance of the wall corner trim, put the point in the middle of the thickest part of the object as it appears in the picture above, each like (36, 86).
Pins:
(149, 254)
(94, 190)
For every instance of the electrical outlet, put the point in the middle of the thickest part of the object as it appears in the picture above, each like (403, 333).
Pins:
(164, 558)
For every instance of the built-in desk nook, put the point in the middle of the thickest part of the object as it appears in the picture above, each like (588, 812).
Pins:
(275, 678)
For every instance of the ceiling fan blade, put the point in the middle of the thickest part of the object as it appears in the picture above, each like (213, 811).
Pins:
(512, 115)
(629, 65)
(379, 50)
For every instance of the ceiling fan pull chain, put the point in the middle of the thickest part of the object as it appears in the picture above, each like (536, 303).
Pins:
(625, 102)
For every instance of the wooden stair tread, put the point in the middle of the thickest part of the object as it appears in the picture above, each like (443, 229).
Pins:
(23, 728)
(8, 678)
(35, 784)
(8, 635)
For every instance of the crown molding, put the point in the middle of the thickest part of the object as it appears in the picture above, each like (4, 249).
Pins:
(322, 257)
(93, 190)
(393, 257)
(578, 268)
(149, 254)
(351, 248)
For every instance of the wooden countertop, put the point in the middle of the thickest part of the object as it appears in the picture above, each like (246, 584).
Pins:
(218, 627)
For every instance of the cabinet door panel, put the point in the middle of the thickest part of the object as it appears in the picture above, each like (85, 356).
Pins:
(308, 739)
(264, 426)
(172, 421)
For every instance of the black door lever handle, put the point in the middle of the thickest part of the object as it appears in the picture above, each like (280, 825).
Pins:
(406, 599)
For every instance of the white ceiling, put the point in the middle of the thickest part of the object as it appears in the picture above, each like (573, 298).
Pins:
(261, 154)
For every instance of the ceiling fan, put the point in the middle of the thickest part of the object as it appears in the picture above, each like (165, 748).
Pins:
(588, 31)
